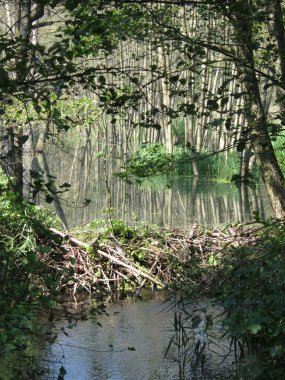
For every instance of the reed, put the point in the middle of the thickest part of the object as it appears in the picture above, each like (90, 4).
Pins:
(279, 147)
(220, 166)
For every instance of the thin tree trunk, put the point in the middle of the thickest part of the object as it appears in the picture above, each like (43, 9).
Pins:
(258, 134)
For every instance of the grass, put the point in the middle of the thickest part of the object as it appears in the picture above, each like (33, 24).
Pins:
(279, 148)
(215, 166)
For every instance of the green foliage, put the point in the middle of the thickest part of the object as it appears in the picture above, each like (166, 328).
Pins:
(179, 131)
(64, 113)
(254, 301)
(103, 230)
(136, 239)
(97, 25)
(25, 281)
(279, 145)
(248, 281)
(27, 365)
(210, 165)
(120, 230)
(153, 160)
(148, 160)
(91, 230)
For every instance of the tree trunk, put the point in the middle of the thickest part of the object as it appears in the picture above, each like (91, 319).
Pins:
(279, 32)
(260, 141)
(244, 163)
(271, 174)
(20, 17)
(258, 134)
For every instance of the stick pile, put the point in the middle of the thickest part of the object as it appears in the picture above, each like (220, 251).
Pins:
(157, 260)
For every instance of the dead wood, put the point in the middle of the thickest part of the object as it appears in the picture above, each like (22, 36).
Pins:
(165, 257)
(112, 259)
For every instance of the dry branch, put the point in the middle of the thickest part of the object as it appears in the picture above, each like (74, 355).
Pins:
(109, 257)
(167, 257)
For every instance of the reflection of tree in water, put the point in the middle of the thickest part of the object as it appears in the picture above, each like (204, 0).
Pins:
(178, 206)
(38, 163)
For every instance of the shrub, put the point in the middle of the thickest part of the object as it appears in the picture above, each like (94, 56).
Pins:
(254, 301)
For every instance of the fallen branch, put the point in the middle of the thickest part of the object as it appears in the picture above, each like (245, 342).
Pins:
(109, 257)
(134, 270)
(173, 257)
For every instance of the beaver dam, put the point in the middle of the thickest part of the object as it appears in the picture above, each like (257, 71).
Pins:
(125, 258)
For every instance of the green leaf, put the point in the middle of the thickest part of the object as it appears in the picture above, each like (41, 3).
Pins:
(23, 139)
(72, 260)
(86, 202)
(212, 261)
(241, 145)
(65, 185)
(254, 328)
(183, 81)
(102, 79)
(213, 105)
(100, 154)
(44, 249)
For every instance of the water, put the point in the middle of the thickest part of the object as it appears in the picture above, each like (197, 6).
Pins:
(131, 343)
(94, 191)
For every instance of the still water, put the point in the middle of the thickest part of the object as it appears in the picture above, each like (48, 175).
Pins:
(132, 341)
(169, 202)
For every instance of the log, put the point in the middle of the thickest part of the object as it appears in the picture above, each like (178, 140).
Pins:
(107, 256)
(71, 239)
(134, 270)
(137, 292)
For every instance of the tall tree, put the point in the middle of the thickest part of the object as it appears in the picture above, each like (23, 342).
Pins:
(245, 15)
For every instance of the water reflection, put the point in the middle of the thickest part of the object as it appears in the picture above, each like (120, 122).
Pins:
(178, 205)
(131, 344)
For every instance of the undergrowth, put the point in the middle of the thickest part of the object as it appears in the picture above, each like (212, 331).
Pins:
(27, 285)
(153, 160)
(248, 281)
(279, 148)
(253, 296)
